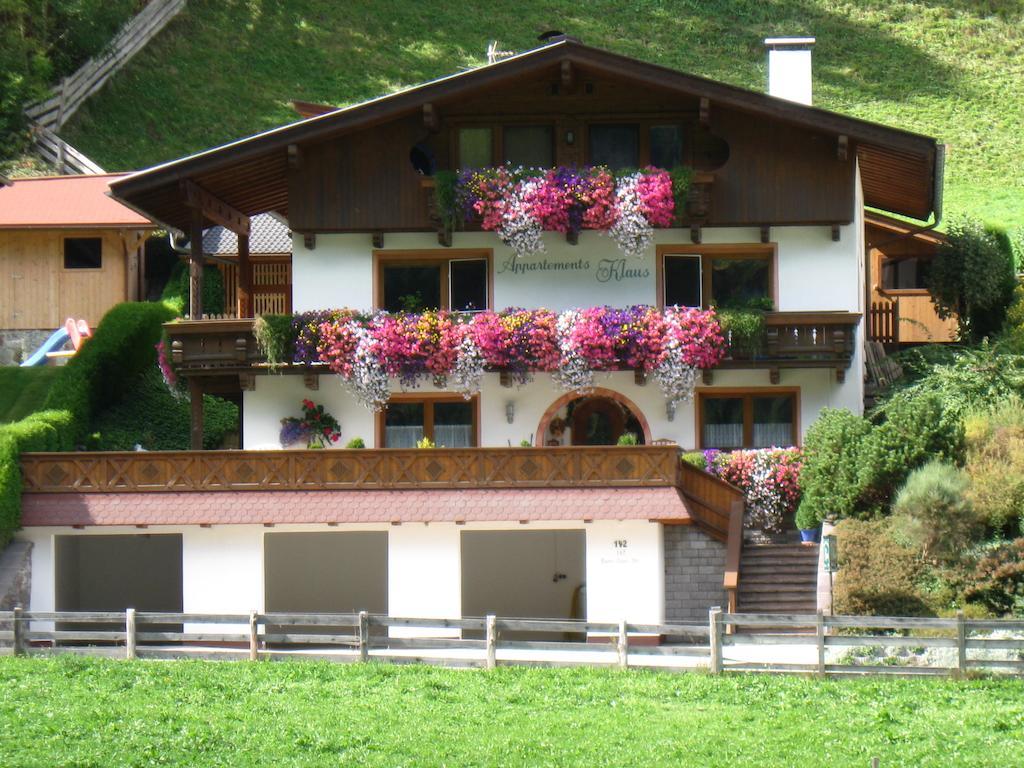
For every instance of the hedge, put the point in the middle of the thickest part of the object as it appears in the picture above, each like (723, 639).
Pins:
(177, 289)
(98, 376)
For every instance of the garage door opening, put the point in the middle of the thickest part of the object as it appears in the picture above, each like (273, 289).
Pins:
(326, 572)
(524, 574)
(115, 572)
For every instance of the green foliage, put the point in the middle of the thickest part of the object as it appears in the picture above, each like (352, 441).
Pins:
(933, 514)
(275, 337)
(972, 279)
(877, 575)
(524, 443)
(832, 449)
(176, 291)
(745, 329)
(444, 196)
(356, 443)
(627, 438)
(682, 180)
(153, 418)
(425, 443)
(23, 389)
(695, 459)
(995, 464)
(806, 518)
(998, 581)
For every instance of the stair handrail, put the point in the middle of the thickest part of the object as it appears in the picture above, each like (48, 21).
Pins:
(733, 550)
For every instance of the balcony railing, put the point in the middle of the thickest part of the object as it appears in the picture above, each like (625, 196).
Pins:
(793, 340)
(377, 469)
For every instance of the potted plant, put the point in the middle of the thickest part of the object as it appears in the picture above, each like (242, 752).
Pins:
(810, 528)
(316, 427)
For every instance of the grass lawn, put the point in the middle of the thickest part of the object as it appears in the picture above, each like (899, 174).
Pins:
(227, 68)
(92, 712)
(23, 390)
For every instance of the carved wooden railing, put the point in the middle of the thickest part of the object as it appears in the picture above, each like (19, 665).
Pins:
(134, 472)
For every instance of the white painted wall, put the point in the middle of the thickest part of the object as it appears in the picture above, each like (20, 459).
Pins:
(625, 571)
(424, 575)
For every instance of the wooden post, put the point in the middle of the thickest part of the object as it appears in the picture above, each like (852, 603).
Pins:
(715, 639)
(364, 636)
(195, 393)
(492, 641)
(19, 632)
(623, 645)
(196, 262)
(254, 637)
(820, 633)
(130, 637)
(245, 307)
(961, 644)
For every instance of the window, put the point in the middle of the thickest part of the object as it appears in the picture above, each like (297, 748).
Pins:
(414, 282)
(733, 420)
(905, 274)
(616, 146)
(83, 253)
(476, 147)
(529, 146)
(729, 277)
(666, 146)
(450, 422)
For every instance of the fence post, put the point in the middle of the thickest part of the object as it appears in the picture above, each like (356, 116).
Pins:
(491, 641)
(364, 636)
(129, 631)
(19, 632)
(819, 626)
(961, 644)
(623, 645)
(254, 637)
(715, 639)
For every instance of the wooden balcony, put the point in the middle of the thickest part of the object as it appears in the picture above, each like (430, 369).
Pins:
(794, 340)
(642, 466)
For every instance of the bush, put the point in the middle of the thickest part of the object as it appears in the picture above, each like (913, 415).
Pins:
(158, 421)
(275, 336)
(176, 292)
(695, 459)
(627, 438)
(932, 512)
(998, 581)
(745, 330)
(829, 478)
(995, 464)
(972, 279)
(877, 575)
(355, 443)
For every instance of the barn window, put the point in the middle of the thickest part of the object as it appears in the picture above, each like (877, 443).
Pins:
(83, 253)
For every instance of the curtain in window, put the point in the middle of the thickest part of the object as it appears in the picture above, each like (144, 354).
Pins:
(773, 435)
(723, 436)
(453, 435)
(403, 437)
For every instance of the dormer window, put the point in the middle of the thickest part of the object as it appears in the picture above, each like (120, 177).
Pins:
(621, 146)
(527, 146)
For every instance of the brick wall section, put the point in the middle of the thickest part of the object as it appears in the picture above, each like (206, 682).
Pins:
(15, 579)
(694, 569)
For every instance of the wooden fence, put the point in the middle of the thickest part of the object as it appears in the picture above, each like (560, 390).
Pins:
(727, 642)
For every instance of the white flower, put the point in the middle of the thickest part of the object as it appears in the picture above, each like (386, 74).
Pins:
(520, 230)
(468, 370)
(631, 230)
(573, 373)
(368, 381)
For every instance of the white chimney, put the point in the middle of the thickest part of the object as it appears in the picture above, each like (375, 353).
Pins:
(789, 68)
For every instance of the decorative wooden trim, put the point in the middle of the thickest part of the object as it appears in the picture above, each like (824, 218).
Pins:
(747, 393)
(428, 399)
(425, 256)
(836, 230)
(378, 240)
(214, 208)
(309, 241)
(705, 111)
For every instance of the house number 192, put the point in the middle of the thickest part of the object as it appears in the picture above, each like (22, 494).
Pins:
(621, 543)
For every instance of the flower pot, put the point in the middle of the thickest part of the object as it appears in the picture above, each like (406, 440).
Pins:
(810, 535)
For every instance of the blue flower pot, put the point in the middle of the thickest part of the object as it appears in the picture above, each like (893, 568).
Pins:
(810, 535)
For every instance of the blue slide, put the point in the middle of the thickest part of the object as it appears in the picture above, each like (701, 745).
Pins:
(57, 340)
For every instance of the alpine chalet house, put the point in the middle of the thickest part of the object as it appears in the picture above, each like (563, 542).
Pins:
(418, 218)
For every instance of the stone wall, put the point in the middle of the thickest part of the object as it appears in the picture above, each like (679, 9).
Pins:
(15, 346)
(15, 576)
(694, 569)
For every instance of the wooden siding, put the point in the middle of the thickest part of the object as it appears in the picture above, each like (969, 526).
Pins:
(36, 292)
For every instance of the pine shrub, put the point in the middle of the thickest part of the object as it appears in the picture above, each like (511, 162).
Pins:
(932, 512)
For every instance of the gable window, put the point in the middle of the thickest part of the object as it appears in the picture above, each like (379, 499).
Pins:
(615, 146)
(529, 146)
(476, 146)
(414, 282)
(728, 277)
(666, 146)
(734, 420)
(83, 253)
(906, 274)
(449, 422)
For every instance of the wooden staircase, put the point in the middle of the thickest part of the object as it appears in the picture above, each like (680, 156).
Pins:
(778, 578)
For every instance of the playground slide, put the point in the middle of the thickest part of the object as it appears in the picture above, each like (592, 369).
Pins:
(75, 331)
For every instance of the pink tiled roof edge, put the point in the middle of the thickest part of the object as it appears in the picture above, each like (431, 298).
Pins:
(370, 506)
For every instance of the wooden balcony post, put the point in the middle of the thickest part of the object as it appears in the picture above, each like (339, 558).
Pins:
(245, 307)
(131, 636)
(195, 391)
(196, 262)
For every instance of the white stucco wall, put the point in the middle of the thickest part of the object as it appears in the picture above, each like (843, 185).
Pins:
(625, 571)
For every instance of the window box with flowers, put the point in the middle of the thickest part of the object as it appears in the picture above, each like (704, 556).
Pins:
(316, 428)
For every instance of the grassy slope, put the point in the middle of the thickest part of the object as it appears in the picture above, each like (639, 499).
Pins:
(225, 69)
(23, 390)
(89, 712)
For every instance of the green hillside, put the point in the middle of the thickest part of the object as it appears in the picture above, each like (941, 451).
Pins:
(225, 68)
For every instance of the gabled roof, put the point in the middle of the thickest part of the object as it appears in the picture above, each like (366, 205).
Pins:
(65, 202)
(266, 235)
(901, 171)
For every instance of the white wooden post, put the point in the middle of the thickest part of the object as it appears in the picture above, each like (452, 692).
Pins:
(19, 632)
(715, 639)
(254, 636)
(129, 630)
(491, 641)
(623, 645)
(819, 626)
(961, 644)
(364, 636)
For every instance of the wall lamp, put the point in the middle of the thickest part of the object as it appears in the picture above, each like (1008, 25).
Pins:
(510, 411)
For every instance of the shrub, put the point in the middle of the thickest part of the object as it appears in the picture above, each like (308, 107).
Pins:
(355, 442)
(176, 292)
(932, 512)
(972, 278)
(744, 329)
(877, 575)
(627, 438)
(695, 459)
(829, 477)
(275, 336)
(998, 580)
(995, 464)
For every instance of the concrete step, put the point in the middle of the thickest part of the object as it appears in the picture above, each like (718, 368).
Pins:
(780, 552)
(775, 604)
(797, 587)
(787, 566)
